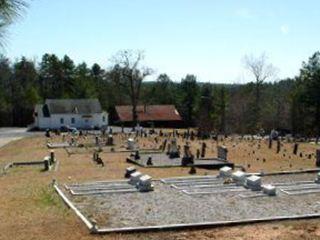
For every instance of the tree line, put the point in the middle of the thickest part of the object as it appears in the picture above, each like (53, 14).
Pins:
(291, 105)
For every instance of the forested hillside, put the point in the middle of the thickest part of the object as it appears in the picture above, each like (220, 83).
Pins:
(291, 104)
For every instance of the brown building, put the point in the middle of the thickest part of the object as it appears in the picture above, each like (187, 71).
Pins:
(149, 116)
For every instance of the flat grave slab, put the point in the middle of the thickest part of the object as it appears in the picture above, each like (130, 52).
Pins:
(163, 160)
(193, 201)
(106, 149)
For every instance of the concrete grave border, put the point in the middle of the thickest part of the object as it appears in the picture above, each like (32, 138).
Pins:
(94, 229)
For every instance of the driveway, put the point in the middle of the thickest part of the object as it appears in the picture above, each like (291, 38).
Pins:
(10, 134)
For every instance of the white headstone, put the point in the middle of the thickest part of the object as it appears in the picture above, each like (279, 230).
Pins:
(269, 189)
(225, 172)
(145, 184)
(131, 144)
(254, 183)
(134, 178)
(239, 177)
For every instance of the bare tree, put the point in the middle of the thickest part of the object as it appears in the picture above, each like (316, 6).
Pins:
(262, 71)
(130, 76)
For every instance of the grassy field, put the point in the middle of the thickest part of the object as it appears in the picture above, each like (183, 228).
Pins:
(30, 209)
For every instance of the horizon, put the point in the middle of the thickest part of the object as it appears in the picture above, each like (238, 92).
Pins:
(217, 37)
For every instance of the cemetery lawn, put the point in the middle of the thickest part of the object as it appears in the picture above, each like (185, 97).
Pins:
(30, 209)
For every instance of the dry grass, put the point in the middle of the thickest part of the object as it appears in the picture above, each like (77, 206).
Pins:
(31, 210)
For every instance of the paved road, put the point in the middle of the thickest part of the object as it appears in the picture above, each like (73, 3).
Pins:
(10, 134)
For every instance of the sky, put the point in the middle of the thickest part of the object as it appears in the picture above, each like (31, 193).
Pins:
(207, 38)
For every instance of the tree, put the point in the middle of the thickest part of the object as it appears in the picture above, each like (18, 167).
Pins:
(205, 111)
(9, 11)
(261, 70)
(160, 92)
(310, 80)
(103, 88)
(24, 91)
(129, 75)
(189, 93)
(51, 77)
(84, 82)
(68, 77)
(221, 106)
(5, 98)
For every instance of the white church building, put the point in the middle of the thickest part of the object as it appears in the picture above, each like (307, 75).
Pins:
(78, 113)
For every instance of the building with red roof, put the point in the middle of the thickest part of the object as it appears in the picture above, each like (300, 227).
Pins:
(149, 115)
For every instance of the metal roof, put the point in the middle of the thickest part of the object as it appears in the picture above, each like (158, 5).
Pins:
(149, 113)
(76, 106)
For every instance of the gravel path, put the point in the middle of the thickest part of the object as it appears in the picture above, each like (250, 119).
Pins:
(167, 205)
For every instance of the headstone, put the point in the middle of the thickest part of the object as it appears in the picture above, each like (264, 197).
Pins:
(97, 140)
(47, 133)
(99, 161)
(95, 155)
(131, 144)
(129, 171)
(198, 153)
(72, 141)
(295, 148)
(173, 151)
(149, 161)
(160, 133)
(270, 142)
(225, 172)
(144, 184)
(239, 177)
(193, 170)
(192, 136)
(46, 162)
(203, 149)
(269, 190)
(110, 140)
(318, 158)
(254, 183)
(222, 152)
(52, 157)
(134, 178)
(136, 155)
(278, 146)
(164, 145)
(187, 156)
(274, 134)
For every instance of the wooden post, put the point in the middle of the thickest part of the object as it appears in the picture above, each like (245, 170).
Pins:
(198, 153)
(203, 149)
(278, 146)
(270, 142)
(295, 148)
(52, 157)
(164, 145)
(46, 164)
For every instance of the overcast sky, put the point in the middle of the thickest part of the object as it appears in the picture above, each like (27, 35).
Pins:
(207, 38)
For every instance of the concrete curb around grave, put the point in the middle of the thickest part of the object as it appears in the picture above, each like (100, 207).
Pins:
(30, 163)
(134, 162)
(202, 225)
(73, 207)
(96, 230)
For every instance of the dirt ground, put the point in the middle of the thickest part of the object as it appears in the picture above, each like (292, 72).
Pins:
(30, 209)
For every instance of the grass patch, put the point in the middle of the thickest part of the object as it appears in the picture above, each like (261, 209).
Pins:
(46, 197)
